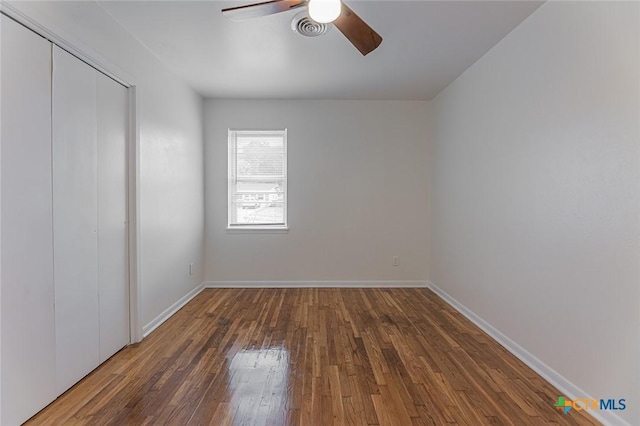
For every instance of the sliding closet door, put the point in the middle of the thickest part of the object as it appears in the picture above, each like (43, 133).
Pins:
(89, 217)
(28, 334)
(112, 216)
(75, 218)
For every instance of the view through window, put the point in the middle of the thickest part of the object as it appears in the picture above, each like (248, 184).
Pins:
(257, 179)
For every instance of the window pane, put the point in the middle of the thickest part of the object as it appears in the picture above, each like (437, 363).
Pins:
(260, 156)
(259, 213)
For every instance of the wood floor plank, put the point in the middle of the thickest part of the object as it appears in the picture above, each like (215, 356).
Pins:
(313, 357)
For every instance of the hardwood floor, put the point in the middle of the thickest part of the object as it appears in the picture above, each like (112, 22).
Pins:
(313, 357)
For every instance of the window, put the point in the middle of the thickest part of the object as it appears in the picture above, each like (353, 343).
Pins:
(257, 179)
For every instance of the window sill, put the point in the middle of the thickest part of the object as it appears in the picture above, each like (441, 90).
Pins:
(258, 230)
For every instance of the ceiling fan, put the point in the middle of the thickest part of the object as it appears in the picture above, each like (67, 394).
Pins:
(358, 32)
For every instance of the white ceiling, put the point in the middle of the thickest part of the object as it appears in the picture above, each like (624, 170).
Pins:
(427, 44)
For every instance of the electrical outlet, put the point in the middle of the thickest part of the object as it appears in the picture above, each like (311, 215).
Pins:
(396, 261)
(191, 269)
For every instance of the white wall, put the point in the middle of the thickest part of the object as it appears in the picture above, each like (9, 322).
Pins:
(171, 150)
(536, 193)
(357, 193)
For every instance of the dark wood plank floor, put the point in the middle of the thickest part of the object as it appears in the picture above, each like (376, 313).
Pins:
(313, 357)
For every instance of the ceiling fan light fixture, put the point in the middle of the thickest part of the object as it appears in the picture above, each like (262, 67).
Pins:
(324, 11)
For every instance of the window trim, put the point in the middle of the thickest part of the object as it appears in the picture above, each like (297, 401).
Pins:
(232, 135)
(258, 230)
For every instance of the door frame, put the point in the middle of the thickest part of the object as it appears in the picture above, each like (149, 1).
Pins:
(133, 220)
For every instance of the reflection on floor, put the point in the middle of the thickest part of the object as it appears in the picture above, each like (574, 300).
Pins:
(259, 379)
(313, 357)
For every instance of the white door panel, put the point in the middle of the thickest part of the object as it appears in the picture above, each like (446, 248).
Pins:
(112, 216)
(75, 218)
(28, 333)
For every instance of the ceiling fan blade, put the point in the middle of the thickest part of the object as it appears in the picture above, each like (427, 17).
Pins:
(358, 32)
(257, 10)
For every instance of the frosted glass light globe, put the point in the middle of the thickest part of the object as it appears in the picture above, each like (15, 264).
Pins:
(324, 11)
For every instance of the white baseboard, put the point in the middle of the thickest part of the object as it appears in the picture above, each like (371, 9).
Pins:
(567, 388)
(157, 321)
(314, 284)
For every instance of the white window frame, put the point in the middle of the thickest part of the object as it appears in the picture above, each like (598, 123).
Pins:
(232, 227)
